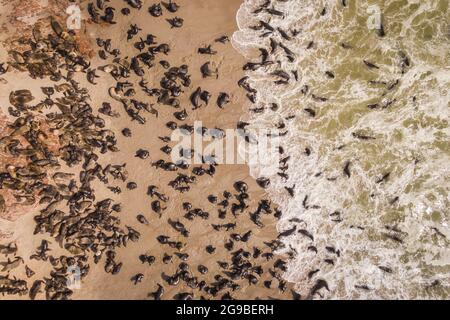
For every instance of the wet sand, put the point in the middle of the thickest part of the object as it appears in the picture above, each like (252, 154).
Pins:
(204, 21)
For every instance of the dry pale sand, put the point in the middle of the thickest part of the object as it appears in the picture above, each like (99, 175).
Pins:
(205, 20)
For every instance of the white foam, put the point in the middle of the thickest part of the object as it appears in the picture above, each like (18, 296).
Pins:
(411, 143)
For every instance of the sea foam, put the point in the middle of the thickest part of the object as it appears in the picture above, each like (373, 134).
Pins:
(372, 237)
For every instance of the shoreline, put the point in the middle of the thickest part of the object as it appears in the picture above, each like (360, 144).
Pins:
(98, 284)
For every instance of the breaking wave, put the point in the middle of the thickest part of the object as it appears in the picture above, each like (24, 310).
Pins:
(369, 144)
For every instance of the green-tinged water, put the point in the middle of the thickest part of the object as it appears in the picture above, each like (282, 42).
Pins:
(388, 118)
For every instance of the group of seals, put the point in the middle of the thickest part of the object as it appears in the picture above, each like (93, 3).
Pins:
(89, 229)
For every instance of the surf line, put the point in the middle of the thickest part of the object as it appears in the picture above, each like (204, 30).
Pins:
(186, 310)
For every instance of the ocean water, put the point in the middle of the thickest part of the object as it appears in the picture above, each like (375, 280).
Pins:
(375, 238)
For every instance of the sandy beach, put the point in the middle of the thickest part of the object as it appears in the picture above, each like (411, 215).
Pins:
(204, 21)
(104, 196)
